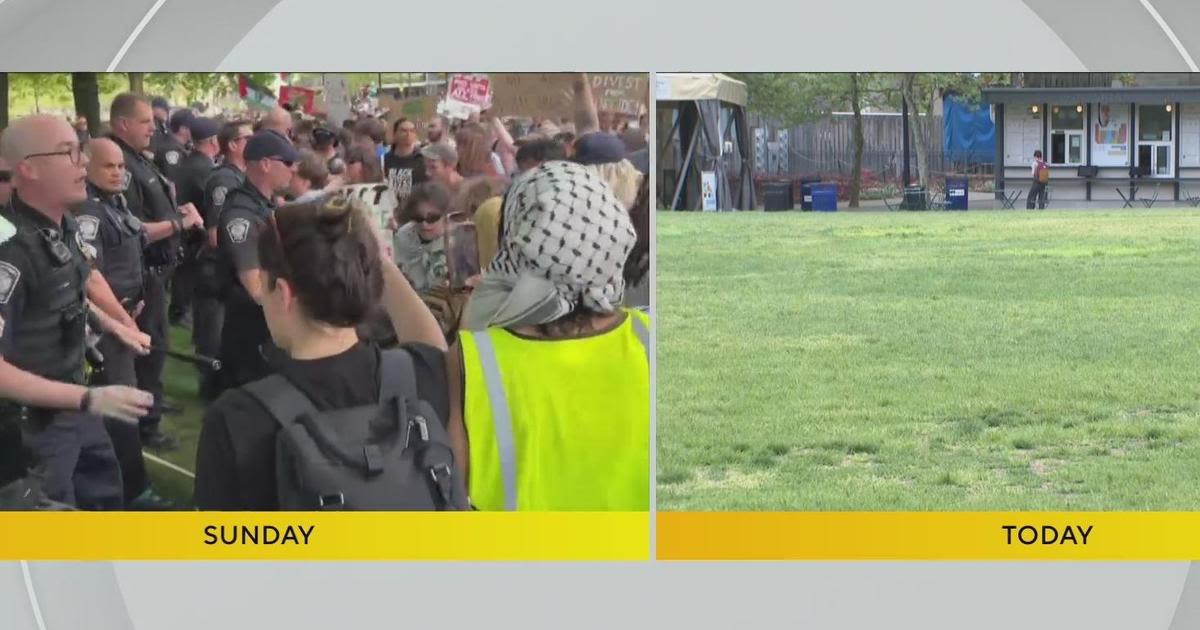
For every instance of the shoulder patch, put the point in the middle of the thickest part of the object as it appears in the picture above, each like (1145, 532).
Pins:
(238, 230)
(89, 252)
(9, 275)
(128, 179)
(89, 227)
(1, 326)
(172, 157)
(219, 195)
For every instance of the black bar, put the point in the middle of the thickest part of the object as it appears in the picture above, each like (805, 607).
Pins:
(904, 113)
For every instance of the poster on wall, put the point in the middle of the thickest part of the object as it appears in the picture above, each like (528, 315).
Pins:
(1189, 135)
(1022, 136)
(1110, 134)
(708, 191)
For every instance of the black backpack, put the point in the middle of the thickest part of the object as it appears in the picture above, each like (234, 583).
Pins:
(393, 455)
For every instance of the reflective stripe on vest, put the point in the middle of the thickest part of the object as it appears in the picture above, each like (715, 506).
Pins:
(502, 422)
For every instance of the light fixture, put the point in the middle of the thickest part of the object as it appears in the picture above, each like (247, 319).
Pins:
(1079, 109)
(1034, 109)
(1170, 107)
(1055, 110)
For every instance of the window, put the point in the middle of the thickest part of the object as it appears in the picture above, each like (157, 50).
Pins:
(1066, 134)
(1154, 124)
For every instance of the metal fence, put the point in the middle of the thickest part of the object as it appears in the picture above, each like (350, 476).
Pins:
(826, 148)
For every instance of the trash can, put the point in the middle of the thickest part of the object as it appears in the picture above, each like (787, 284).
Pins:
(778, 196)
(824, 197)
(956, 193)
(806, 199)
(915, 198)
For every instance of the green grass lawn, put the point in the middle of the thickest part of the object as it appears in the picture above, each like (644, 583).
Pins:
(929, 361)
(180, 383)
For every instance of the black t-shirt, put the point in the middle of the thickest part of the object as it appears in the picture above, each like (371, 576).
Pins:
(235, 462)
(403, 172)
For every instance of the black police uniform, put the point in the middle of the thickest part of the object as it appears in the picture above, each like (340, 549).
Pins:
(189, 177)
(151, 200)
(208, 311)
(43, 284)
(244, 216)
(169, 154)
(117, 240)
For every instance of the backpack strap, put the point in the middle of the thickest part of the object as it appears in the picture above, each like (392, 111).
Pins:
(283, 400)
(398, 379)
(397, 375)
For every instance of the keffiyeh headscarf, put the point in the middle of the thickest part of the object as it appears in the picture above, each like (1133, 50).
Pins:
(566, 239)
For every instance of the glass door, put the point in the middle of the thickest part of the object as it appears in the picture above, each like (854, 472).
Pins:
(1156, 141)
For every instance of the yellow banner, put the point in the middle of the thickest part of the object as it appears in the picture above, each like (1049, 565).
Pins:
(324, 536)
(928, 536)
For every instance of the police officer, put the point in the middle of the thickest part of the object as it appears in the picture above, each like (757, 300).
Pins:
(270, 164)
(118, 239)
(208, 312)
(189, 176)
(43, 275)
(172, 149)
(161, 109)
(151, 199)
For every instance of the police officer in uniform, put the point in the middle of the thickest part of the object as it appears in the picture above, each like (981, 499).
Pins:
(270, 164)
(171, 150)
(151, 199)
(161, 110)
(208, 312)
(118, 240)
(189, 176)
(43, 309)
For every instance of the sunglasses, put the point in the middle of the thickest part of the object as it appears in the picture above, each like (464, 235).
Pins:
(287, 163)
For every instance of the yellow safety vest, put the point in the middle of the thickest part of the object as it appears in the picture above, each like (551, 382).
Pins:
(559, 425)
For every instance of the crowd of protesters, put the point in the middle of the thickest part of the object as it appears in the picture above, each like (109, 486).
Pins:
(486, 278)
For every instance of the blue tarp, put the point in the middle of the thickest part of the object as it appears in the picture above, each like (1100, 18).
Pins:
(969, 133)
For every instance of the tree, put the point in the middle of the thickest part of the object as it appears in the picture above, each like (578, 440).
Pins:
(86, 89)
(922, 91)
(797, 98)
(856, 171)
(3, 100)
(137, 83)
(45, 88)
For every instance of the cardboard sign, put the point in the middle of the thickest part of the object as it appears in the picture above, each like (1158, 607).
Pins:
(550, 95)
(420, 108)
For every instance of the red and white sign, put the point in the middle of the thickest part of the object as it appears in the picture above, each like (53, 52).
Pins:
(303, 98)
(471, 89)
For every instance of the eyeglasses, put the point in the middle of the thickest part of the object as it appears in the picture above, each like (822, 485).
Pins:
(75, 153)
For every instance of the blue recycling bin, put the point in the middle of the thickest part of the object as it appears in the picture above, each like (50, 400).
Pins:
(824, 197)
(956, 193)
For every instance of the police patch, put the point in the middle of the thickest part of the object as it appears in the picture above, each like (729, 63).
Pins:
(89, 227)
(219, 195)
(172, 157)
(238, 230)
(89, 252)
(128, 178)
(9, 275)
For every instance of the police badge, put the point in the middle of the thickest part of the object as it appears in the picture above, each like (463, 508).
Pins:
(238, 230)
(9, 275)
(89, 227)
(219, 195)
(128, 178)
(172, 157)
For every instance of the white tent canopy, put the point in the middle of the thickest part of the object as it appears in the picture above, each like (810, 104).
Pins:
(699, 87)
